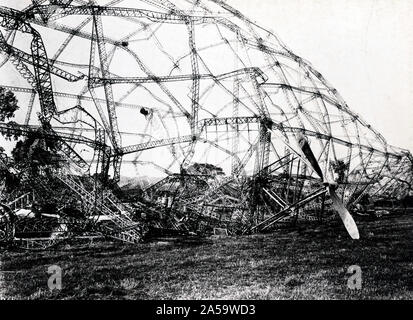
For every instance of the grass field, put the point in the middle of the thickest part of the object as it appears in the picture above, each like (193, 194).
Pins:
(308, 262)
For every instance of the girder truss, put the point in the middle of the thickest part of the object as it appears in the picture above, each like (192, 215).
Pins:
(172, 84)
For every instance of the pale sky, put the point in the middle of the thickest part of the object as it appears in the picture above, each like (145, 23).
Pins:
(364, 48)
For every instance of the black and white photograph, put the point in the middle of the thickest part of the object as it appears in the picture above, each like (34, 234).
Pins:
(228, 151)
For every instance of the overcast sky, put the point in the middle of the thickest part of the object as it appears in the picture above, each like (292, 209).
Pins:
(364, 48)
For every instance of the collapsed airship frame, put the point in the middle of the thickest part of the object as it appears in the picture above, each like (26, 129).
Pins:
(212, 118)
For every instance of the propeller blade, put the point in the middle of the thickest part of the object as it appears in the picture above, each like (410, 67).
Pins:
(306, 149)
(338, 205)
(345, 216)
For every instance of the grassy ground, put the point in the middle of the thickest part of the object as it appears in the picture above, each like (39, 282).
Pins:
(302, 263)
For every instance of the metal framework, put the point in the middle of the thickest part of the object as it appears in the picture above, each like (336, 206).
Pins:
(240, 132)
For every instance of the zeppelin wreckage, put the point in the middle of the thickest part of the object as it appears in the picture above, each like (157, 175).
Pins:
(122, 118)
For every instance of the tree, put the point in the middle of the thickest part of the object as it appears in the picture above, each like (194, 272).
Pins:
(8, 107)
(8, 104)
(36, 151)
(29, 154)
(206, 169)
(340, 168)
